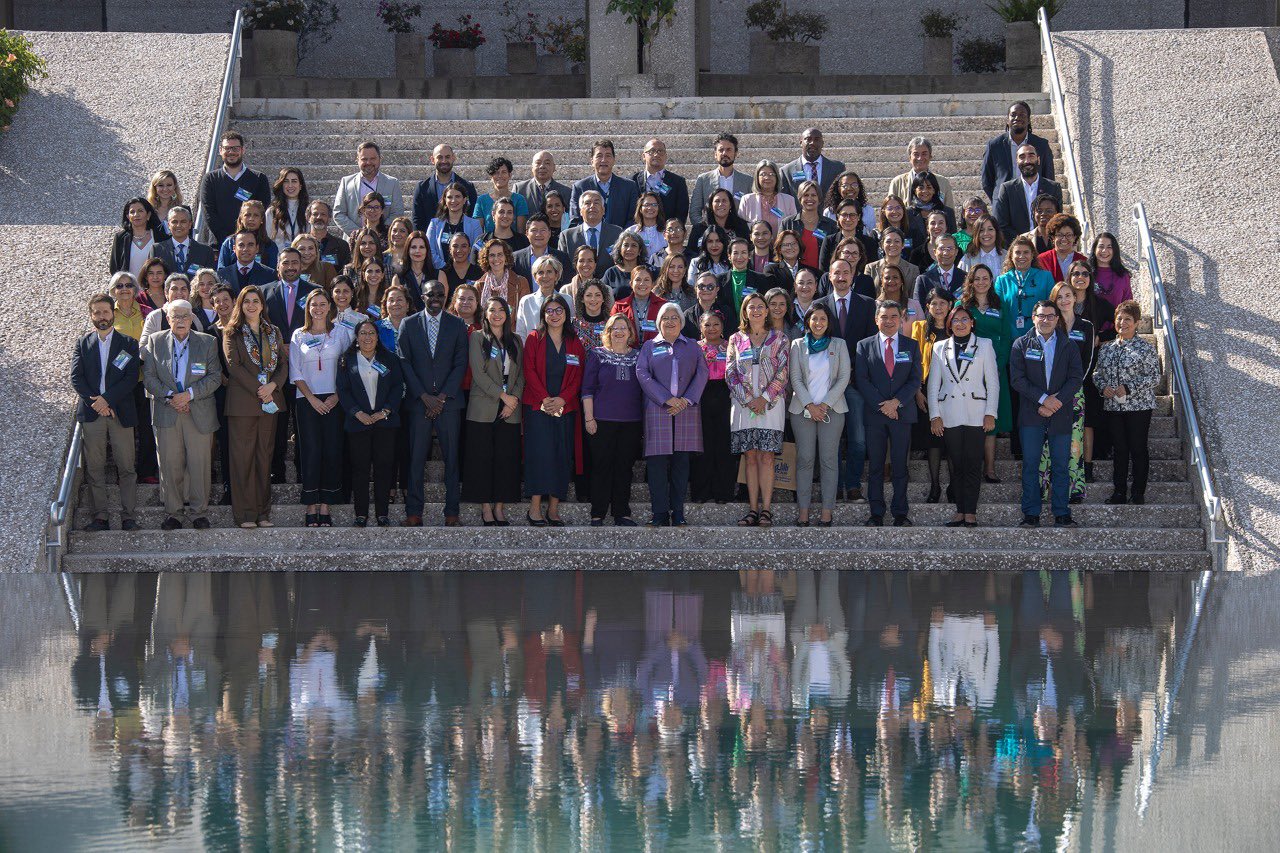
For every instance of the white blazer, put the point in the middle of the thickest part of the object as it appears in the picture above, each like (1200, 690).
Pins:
(346, 202)
(963, 396)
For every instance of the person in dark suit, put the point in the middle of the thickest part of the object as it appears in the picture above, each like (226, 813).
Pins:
(285, 299)
(535, 189)
(1000, 159)
(426, 198)
(537, 230)
(942, 273)
(1014, 198)
(1045, 370)
(855, 320)
(673, 189)
(888, 372)
(620, 196)
(222, 191)
(104, 372)
(433, 351)
(591, 231)
(246, 270)
(181, 252)
(370, 388)
(811, 165)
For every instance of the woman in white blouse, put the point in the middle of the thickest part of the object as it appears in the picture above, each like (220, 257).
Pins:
(286, 216)
(986, 245)
(314, 351)
(819, 374)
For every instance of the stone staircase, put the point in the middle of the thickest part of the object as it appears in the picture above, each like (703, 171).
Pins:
(1164, 534)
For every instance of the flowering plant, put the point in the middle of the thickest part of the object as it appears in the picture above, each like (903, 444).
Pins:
(564, 36)
(468, 36)
(522, 28)
(20, 66)
(289, 15)
(398, 16)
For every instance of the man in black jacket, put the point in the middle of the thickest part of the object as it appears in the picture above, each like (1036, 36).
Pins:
(285, 302)
(1000, 159)
(655, 177)
(181, 252)
(855, 320)
(222, 191)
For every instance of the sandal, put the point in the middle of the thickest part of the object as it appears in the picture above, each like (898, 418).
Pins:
(751, 519)
(766, 518)
(325, 520)
(313, 519)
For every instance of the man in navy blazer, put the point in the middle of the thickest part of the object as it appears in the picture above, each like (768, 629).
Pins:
(247, 269)
(620, 195)
(1046, 371)
(1000, 159)
(673, 189)
(942, 273)
(285, 299)
(888, 372)
(104, 372)
(433, 376)
(181, 252)
(426, 198)
(855, 320)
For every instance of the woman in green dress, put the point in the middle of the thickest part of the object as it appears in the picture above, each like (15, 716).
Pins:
(979, 296)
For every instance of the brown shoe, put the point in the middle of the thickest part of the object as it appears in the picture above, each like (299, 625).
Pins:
(452, 521)
(412, 521)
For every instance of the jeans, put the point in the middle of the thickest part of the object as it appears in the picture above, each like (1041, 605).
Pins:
(855, 441)
(668, 480)
(1059, 462)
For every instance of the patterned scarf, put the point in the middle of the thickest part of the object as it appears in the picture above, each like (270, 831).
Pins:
(272, 338)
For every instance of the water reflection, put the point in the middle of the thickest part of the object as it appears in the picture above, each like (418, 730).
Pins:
(547, 711)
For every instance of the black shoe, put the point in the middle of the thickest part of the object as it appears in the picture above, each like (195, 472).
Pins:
(800, 523)
(659, 521)
(130, 525)
(1030, 521)
(1088, 472)
(171, 523)
(226, 498)
(935, 494)
(555, 522)
(488, 522)
(1064, 521)
(1138, 499)
(97, 525)
(1076, 499)
(597, 522)
(826, 523)
(1117, 499)
(987, 478)
(874, 521)
(501, 522)
(361, 521)
(278, 479)
(957, 523)
(201, 523)
(902, 521)
(853, 496)
(384, 521)
(679, 523)
(625, 522)
(312, 519)
(325, 520)
(535, 522)
(971, 524)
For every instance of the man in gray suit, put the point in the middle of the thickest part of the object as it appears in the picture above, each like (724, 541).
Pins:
(593, 232)
(534, 190)
(353, 188)
(181, 371)
(723, 176)
(811, 165)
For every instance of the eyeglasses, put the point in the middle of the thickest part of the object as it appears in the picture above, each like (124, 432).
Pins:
(1045, 316)
(555, 310)
(958, 320)
(708, 287)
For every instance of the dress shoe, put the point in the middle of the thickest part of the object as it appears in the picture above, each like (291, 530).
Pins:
(97, 525)
(171, 523)
(555, 522)
(935, 494)
(1076, 499)
(360, 521)
(383, 521)
(130, 525)
(959, 522)
(248, 525)
(659, 521)
(1138, 500)
(1117, 499)
(625, 522)
(325, 520)
(1064, 521)
(853, 496)
(902, 521)
(452, 521)
(201, 523)
(412, 521)
(598, 522)
(826, 523)
(1030, 521)
(535, 522)
(874, 521)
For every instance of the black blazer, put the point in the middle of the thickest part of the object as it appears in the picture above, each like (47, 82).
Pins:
(523, 264)
(86, 375)
(273, 296)
(875, 385)
(675, 202)
(122, 246)
(1027, 377)
(931, 278)
(998, 165)
(1010, 205)
(354, 398)
(724, 297)
(826, 225)
(259, 274)
(861, 320)
(438, 373)
(619, 206)
(426, 202)
(198, 255)
(862, 283)
(779, 275)
(827, 251)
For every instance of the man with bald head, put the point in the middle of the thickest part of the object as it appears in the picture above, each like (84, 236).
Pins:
(534, 190)
(655, 177)
(426, 200)
(811, 165)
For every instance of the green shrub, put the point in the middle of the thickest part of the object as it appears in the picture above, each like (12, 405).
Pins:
(20, 66)
(1013, 11)
(781, 24)
(979, 55)
(938, 24)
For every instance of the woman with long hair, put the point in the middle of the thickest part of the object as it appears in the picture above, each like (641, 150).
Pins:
(314, 351)
(491, 465)
(986, 314)
(163, 193)
(135, 243)
(612, 412)
(553, 364)
(756, 372)
(370, 390)
(253, 217)
(287, 215)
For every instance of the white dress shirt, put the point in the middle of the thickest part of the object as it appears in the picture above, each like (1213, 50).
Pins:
(369, 377)
(180, 352)
(104, 356)
(1030, 191)
(725, 181)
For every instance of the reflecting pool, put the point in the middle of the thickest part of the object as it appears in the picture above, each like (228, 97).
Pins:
(553, 711)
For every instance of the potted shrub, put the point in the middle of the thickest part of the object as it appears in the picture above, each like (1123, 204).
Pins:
(522, 47)
(562, 41)
(20, 66)
(275, 25)
(1021, 32)
(455, 50)
(786, 46)
(411, 47)
(980, 55)
(649, 17)
(939, 40)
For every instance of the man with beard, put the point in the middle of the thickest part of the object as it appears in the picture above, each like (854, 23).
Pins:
(104, 371)
(222, 191)
(333, 250)
(722, 177)
(426, 199)
(1000, 160)
(1015, 199)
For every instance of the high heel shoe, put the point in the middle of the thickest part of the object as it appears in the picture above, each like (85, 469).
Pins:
(325, 520)
(935, 492)
(535, 522)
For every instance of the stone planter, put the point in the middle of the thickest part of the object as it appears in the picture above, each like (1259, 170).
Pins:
(938, 54)
(275, 53)
(411, 56)
(1021, 46)
(553, 63)
(455, 62)
(790, 57)
(760, 59)
(522, 57)
(645, 85)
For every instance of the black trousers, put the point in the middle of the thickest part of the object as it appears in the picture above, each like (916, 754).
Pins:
(1129, 434)
(965, 445)
(372, 449)
(146, 462)
(287, 420)
(224, 437)
(891, 440)
(713, 473)
(320, 451)
(491, 462)
(614, 450)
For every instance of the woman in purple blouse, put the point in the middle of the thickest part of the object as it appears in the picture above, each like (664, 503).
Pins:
(673, 373)
(612, 408)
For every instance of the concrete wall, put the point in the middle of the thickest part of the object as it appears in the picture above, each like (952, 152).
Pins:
(1180, 140)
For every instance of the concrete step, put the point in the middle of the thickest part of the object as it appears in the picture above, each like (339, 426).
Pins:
(1093, 514)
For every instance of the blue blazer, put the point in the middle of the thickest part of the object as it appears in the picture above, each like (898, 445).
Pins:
(268, 255)
(426, 201)
(875, 385)
(931, 278)
(258, 274)
(470, 226)
(1027, 377)
(441, 373)
(86, 377)
(273, 295)
(354, 398)
(620, 203)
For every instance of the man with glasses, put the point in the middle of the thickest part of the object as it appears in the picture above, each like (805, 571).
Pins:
(593, 231)
(1046, 371)
(223, 190)
(656, 178)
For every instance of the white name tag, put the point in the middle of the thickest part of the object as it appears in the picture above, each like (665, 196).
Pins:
(662, 349)
(198, 369)
(380, 367)
(1075, 335)
(243, 194)
(648, 326)
(965, 356)
(1035, 355)
(330, 259)
(121, 360)
(902, 358)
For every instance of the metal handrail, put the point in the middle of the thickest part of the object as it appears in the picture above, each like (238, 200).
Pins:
(1065, 140)
(58, 510)
(225, 100)
(1163, 321)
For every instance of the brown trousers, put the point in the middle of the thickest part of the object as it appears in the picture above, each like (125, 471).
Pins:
(252, 441)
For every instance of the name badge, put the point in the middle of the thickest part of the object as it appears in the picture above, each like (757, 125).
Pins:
(258, 257)
(737, 196)
(746, 355)
(1035, 355)
(964, 356)
(313, 342)
(571, 360)
(648, 326)
(243, 194)
(911, 312)
(662, 349)
(348, 322)
(722, 356)
(598, 328)
(374, 311)
(302, 302)
(192, 269)
(121, 360)
(198, 369)
(1020, 323)
(380, 367)
(608, 250)
(820, 234)
(262, 379)
(1075, 335)
(747, 290)
(992, 312)
(777, 211)
(906, 244)
(902, 358)
(330, 259)
(495, 351)
(663, 189)
(798, 176)
(306, 276)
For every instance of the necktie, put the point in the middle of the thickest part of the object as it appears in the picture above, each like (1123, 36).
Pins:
(946, 280)
(888, 357)
(288, 303)
(813, 172)
(433, 333)
(844, 315)
(179, 351)
(244, 273)
(592, 239)
(181, 252)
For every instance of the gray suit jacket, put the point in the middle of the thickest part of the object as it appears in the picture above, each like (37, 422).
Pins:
(571, 239)
(841, 374)
(346, 202)
(709, 182)
(203, 378)
(535, 197)
(827, 171)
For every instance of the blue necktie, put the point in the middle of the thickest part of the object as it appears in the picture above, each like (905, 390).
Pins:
(182, 256)
(592, 239)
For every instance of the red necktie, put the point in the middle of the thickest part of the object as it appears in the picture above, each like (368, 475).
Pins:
(888, 357)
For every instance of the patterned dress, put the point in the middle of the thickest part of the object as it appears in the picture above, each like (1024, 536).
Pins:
(757, 372)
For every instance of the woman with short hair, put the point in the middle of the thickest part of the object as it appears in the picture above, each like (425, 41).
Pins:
(629, 254)
(820, 371)
(1127, 375)
(546, 273)
(500, 279)
(767, 202)
(612, 409)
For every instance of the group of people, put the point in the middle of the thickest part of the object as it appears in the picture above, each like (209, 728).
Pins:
(545, 334)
